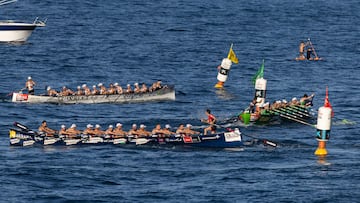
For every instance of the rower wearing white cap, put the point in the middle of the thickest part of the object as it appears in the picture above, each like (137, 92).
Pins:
(66, 91)
(98, 131)
(128, 89)
(294, 101)
(110, 130)
(143, 132)
(167, 130)
(133, 130)
(118, 88)
(89, 130)
(87, 90)
(72, 131)
(79, 91)
(118, 131)
(137, 88)
(189, 131)
(102, 88)
(29, 85)
(62, 130)
(95, 91)
(51, 92)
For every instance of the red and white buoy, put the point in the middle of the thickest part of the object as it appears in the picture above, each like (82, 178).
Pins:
(323, 126)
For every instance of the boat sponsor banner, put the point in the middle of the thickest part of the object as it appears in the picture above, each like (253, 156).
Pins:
(21, 97)
(188, 139)
(232, 137)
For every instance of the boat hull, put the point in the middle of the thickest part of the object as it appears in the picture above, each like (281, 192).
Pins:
(158, 95)
(16, 32)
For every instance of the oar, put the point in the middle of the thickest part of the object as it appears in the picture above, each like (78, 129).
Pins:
(297, 120)
(288, 111)
(264, 141)
(299, 111)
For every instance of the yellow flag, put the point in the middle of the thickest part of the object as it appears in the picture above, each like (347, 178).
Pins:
(232, 56)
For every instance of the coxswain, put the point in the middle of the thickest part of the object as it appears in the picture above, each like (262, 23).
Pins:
(79, 91)
(72, 131)
(211, 120)
(137, 88)
(87, 90)
(89, 130)
(118, 131)
(29, 85)
(189, 131)
(46, 130)
(128, 89)
(102, 89)
(95, 91)
(306, 100)
(301, 50)
(133, 130)
(118, 88)
(112, 89)
(52, 92)
(181, 129)
(62, 130)
(97, 131)
(144, 88)
(167, 130)
(142, 132)
(157, 130)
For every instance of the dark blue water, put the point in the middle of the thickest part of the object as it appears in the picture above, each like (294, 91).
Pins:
(182, 43)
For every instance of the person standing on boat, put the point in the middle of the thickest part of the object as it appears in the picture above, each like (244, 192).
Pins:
(46, 130)
(29, 85)
(211, 119)
(302, 47)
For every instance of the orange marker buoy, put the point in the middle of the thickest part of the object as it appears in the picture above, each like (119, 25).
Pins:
(323, 126)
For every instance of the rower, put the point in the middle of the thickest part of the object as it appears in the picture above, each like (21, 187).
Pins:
(189, 131)
(118, 88)
(133, 130)
(88, 130)
(181, 129)
(112, 89)
(72, 132)
(158, 85)
(62, 131)
(52, 92)
(87, 91)
(167, 130)
(29, 85)
(95, 91)
(46, 130)
(143, 89)
(66, 91)
(102, 88)
(136, 88)
(110, 130)
(118, 131)
(79, 91)
(142, 132)
(97, 131)
(128, 89)
(157, 130)
(294, 101)
(211, 119)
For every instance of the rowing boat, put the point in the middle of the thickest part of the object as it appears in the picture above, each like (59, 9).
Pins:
(298, 113)
(163, 94)
(25, 137)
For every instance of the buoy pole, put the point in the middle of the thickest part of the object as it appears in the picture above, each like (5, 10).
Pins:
(323, 126)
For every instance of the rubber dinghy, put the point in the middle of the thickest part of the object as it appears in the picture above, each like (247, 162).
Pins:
(21, 135)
